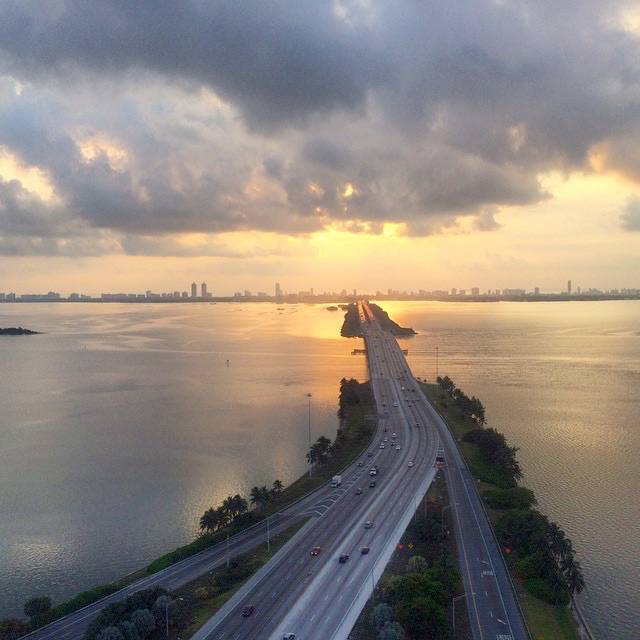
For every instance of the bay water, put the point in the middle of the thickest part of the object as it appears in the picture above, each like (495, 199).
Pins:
(122, 423)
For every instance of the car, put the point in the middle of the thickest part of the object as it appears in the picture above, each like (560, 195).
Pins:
(382, 445)
(358, 491)
(384, 404)
(398, 448)
(372, 483)
(370, 454)
(315, 551)
(395, 404)
(417, 424)
(410, 463)
(365, 550)
(247, 611)
(360, 464)
(289, 636)
(368, 524)
(386, 430)
(393, 435)
(343, 558)
(386, 439)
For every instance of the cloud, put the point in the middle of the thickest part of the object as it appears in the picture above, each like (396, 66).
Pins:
(156, 119)
(630, 218)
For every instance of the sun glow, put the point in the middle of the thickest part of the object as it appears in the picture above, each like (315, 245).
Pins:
(31, 178)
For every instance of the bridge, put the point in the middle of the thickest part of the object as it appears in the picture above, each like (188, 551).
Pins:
(316, 597)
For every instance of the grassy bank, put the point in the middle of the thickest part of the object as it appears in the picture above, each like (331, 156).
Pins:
(544, 620)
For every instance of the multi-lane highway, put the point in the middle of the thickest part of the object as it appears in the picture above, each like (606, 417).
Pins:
(315, 596)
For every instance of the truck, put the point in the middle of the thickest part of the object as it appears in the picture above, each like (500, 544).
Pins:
(336, 481)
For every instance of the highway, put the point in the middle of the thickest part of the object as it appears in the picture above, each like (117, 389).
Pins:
(318, 597)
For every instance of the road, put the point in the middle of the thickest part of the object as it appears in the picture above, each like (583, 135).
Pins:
(316, 596)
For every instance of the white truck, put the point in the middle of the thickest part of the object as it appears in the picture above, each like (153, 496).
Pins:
(336, 481)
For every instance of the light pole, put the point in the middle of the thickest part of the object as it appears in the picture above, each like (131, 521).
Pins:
(436, 364)
(310, 465)
(453, 605)
(444, 508)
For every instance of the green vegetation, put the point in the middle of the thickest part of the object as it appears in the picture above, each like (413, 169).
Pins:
(538, 553)
(388, 324)
(351, 326)
(414, 596)
(137, 616)
(17, 331)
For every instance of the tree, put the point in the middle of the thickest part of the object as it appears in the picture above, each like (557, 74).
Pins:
(277, 489)
(320, 451)
(36, 608)
(110, 633)
(143, 621)
(12, 628)
(129, 630)
(417, 564)
(391, 631)
(423, 615)
(381, 614)
(260, 497)
(163, 609)
(210, 520)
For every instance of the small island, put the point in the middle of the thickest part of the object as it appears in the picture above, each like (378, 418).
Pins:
(351, 327)
(332, 308)
(17, 331)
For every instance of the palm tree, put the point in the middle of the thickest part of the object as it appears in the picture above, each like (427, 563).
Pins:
(210, 520)
(239, 505)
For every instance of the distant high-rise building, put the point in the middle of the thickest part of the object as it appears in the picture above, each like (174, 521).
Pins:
(194, 290)
(569, 287)
(475, 291)
(204, 289)
(454, 292)
(278, 290)
(537, 291)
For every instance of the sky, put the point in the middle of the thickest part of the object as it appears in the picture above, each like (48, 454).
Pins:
(366, 144)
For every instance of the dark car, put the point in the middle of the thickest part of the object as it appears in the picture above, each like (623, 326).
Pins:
(248, 610)
(370, 454)
(365, 550)
(360, 464)
(372, 483)
(358, 491)
(343, 558)
(315, 551)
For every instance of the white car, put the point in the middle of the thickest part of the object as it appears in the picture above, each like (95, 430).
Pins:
(382, 446)
(410, 463)
(398, 448)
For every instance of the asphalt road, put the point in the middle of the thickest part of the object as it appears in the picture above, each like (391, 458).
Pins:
(316, 596)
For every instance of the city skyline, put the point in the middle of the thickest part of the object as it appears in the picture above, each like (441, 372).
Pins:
(282, 294)
(432, 145)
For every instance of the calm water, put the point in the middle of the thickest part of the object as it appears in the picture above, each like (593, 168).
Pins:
(123, 423)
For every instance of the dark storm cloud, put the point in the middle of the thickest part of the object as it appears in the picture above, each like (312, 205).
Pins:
(276, 60)
(352, 112)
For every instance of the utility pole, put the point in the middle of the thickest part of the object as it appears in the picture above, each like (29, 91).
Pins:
(310, 464)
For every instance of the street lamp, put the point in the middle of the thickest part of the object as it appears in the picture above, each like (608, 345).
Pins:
(444, 508)
(310, 465)
(453, 605)
(436, 364)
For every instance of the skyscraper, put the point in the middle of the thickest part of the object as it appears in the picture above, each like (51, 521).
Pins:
(569, 287)
(278, 290)
(194, 290)
(204, 289)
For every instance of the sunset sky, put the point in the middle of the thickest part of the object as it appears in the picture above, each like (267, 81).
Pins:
(348, 144)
